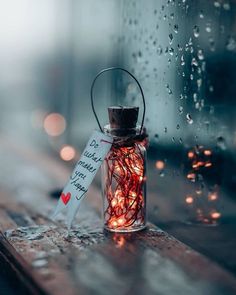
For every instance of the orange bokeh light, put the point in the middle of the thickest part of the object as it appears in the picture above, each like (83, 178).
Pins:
(67, 153)
(215, 215)
(189, 200)
(207, 152)
(209, 164)
(190, 155)
(160, 165)
(212, 197)
(191, 176)
(54, 124)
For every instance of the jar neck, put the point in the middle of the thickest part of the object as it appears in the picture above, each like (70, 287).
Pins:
(121, 132)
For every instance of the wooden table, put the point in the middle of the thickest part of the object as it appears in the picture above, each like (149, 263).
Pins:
(45, 259)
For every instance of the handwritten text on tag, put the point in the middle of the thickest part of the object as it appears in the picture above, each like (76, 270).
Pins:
(84, 172)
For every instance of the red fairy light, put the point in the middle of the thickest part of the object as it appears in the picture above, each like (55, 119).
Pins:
(124, 188)
(202, 204)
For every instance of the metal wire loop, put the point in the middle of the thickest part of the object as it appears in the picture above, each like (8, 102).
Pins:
(140, 88)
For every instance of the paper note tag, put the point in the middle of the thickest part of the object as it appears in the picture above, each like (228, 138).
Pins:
(84, 172)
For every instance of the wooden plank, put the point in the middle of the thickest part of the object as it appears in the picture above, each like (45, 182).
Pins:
(89, 260)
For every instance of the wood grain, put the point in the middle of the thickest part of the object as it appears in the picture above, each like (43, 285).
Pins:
(49, 260)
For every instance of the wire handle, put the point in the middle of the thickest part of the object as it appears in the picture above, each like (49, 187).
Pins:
(139, 86)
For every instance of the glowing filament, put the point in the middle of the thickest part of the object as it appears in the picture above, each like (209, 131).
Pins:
(113, 202)
(124, 188)
(114, 223)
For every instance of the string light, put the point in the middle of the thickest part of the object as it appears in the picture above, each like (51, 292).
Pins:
(124, 187)
(200, 160)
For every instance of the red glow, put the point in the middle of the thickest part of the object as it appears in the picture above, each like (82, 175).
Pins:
(124, 188)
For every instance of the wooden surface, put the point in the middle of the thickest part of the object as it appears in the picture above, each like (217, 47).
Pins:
(88, 260)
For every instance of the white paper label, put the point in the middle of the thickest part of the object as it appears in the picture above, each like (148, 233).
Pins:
(84, 172)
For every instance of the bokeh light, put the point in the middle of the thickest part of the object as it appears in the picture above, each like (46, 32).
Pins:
(189, 200)
(207, 153)
(160, 165)
(190, 155)
(215, 215)
(212, 196)
(54, 124)
(67, 153)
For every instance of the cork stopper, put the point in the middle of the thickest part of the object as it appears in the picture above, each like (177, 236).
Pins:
(123, 120)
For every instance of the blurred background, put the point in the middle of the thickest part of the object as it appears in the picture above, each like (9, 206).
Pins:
(184, 55)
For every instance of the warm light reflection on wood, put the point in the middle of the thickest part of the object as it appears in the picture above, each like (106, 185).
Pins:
(119, 240)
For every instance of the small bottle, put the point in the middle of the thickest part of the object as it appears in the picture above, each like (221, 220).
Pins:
(124, 173)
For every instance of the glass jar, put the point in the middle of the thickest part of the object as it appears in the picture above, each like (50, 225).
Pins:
(124, 183)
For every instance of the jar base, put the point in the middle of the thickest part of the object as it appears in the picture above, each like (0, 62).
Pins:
(128, 230)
